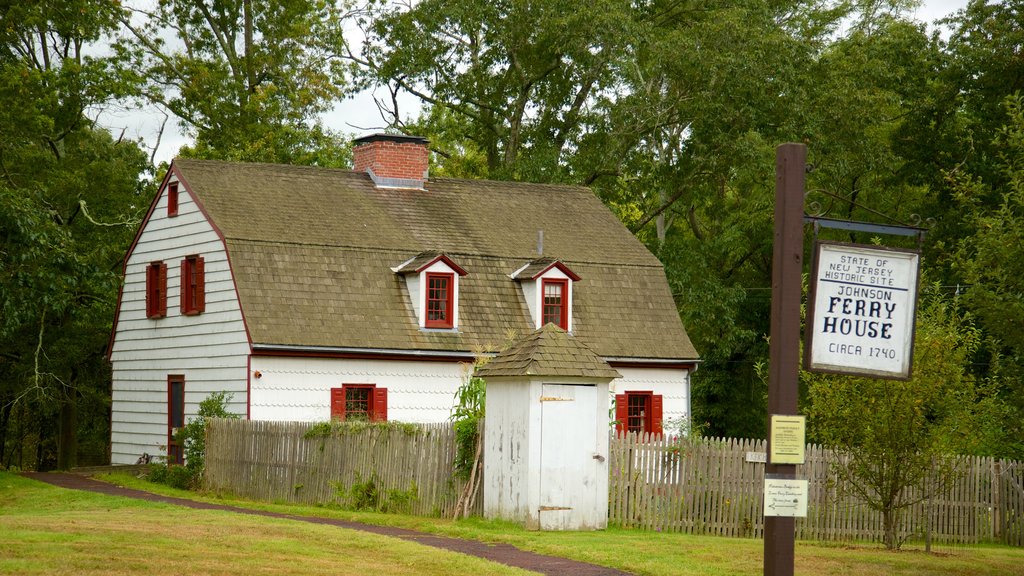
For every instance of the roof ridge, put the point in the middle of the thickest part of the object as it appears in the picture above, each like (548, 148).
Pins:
(437, 179)
(415, 251)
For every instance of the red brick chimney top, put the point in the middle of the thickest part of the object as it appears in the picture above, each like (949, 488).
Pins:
(392, 160)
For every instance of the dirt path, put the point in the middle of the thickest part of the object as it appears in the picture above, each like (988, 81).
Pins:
(501, 553)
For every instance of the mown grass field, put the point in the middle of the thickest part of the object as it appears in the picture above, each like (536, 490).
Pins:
(44, 521)
(48, 530)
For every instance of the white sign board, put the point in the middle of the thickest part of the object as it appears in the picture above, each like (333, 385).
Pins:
(863, 305)
(761, 457)
(785, 498)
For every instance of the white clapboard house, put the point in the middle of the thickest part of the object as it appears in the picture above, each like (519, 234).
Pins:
(310, 293)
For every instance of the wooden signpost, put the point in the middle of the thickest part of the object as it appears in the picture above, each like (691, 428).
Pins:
(784, 353)
(861, 322)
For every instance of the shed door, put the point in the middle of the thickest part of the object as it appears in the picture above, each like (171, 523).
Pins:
(569, 471)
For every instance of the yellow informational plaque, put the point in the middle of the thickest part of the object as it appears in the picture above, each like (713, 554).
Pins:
(787, 439)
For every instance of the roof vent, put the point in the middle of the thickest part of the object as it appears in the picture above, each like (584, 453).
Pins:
(392, 160)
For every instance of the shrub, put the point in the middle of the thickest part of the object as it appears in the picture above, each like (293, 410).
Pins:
(192, 438)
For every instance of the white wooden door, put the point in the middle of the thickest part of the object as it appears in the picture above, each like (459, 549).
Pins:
(569, 469)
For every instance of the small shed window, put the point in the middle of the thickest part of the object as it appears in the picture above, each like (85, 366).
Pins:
(440, 300)
(359, 403)
(156, 290)
(639, 412)
(193, 286)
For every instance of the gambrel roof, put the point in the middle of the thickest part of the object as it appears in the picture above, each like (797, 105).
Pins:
(314, 251)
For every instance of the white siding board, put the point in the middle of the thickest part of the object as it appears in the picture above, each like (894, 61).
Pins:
(210, 349)
(672, 383)
(299, 388)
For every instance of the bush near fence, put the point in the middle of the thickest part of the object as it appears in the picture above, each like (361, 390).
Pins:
(278, 461)
(703, 486)
(707, 486)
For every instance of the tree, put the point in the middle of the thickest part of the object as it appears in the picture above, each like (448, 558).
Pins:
(895, 435)
(69, 200)
(701, 184)
(246, 79)
(520, 76)
(994, 282)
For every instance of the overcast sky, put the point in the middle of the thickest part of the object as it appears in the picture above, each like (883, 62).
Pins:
(357, 115)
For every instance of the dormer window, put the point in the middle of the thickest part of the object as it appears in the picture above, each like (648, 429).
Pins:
(432, 280)
(440, 301)
(547, 286)
(555, 302)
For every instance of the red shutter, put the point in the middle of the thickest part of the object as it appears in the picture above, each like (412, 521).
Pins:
(200, 286)
(161, 282)
(380, 404)
(656, 412)
(184, 287)
(151, 305)
(337, 403)
(621, 413)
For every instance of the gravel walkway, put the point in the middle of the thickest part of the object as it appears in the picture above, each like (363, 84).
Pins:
(501, 553)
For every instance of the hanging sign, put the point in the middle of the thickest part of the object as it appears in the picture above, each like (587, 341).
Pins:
(862, 309)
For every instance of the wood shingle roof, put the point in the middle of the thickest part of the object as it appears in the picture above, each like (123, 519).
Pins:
(313, 251)
(548, 352)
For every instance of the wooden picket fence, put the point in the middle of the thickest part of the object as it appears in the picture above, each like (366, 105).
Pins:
(411, 465)
(705, 486)
(709, 486)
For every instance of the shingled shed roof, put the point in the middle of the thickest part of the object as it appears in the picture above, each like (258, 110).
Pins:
(548, 352)
(313, 252)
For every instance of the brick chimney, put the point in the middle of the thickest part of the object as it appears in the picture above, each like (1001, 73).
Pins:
(393, 161)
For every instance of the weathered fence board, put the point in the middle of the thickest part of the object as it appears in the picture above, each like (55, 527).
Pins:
(707, 487)
(656, 483)
(274, 461)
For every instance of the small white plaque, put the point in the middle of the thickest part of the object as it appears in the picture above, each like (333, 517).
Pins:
(757, 457)
(785, 497)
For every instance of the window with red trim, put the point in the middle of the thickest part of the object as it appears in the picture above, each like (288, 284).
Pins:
(193, 286)
(440, 305)
(156, 290)
(172, 199)
(639, 412)
(175, 417)
(359, 403)
(556, 303)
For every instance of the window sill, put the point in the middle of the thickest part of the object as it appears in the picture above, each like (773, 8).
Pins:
(440, 330)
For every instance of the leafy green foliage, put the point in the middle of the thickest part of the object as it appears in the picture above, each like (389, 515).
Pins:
(336, 428)
(519, 77)
(469, 410)
(70, 197)
(994, 283)
(247, 79)
(366, 494)
(192, 436)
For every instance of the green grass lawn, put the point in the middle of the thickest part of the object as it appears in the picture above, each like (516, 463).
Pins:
(634, 551)
(49, 530)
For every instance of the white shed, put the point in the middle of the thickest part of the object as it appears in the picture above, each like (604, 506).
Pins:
(546, 435)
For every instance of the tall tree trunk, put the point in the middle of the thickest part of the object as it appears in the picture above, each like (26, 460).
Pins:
(67, 442)
(889, 525)
(5, 418)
